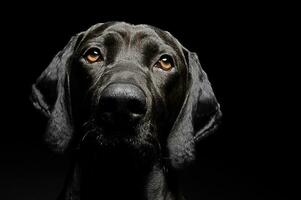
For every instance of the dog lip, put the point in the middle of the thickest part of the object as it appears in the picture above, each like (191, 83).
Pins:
(117, 126)
(123, 119)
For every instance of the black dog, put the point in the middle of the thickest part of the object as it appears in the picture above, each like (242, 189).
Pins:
(128, 103)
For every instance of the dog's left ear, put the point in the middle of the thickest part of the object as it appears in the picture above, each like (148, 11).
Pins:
(50, 95)
(198, 117)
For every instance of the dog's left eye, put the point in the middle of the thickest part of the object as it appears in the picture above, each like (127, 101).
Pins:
(165, 63)
(93, 55)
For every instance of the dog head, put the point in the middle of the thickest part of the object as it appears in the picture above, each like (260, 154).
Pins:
(127, 88)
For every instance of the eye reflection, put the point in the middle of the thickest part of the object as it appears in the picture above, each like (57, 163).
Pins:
(165, 63)
(93, 55)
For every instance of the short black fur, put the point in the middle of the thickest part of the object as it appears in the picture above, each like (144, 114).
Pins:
(125, 145)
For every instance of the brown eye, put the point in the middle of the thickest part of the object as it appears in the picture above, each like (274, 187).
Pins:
(165, 63)
(93, 55)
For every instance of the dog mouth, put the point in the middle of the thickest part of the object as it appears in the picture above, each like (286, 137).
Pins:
(121, 125)
(138, 143)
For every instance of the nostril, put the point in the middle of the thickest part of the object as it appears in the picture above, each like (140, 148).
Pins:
(107, 104)
(137, 106)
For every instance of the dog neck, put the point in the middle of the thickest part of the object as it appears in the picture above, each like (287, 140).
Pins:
(106, 181)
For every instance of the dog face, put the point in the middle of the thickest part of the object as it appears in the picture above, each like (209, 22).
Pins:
(127, 88)
(130, 81)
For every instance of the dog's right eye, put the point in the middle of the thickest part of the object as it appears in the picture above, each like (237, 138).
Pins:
(93, 55)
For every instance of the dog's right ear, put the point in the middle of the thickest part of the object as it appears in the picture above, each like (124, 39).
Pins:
(50, 95)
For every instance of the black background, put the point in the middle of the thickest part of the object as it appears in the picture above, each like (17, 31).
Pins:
(250, 155)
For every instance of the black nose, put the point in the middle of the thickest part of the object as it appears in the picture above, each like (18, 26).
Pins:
(121, 105)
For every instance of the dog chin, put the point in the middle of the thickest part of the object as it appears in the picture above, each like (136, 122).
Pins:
(139, 146)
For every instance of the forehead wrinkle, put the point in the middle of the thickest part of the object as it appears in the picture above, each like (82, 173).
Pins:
(113, 35)
(106, 37)
(154, 38)
(120, 33)
(98, 31)
(140, 34)
(146, 40)
(123, 32)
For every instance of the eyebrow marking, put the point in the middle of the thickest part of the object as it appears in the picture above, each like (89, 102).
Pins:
(138, 37)
(124, 34)
(150, 46)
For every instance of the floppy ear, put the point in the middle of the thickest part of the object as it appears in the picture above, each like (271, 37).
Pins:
(50, 95)
(198, 116)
